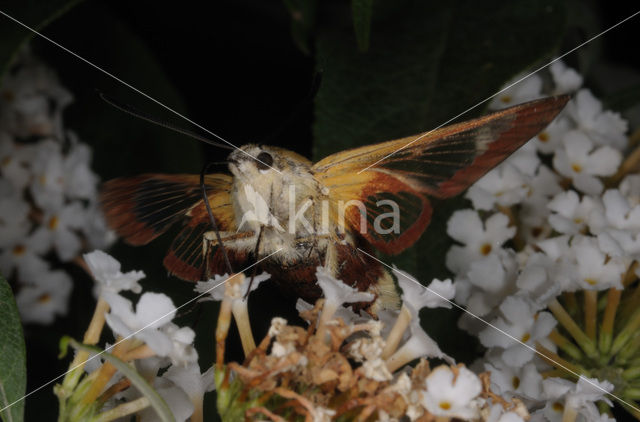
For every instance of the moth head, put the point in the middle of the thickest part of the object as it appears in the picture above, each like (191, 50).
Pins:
(265, 162)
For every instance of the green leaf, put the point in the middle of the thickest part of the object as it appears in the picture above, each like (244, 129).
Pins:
(156, 401)
(13, 366)
(34, 13)
(362, 10)
(429, 62)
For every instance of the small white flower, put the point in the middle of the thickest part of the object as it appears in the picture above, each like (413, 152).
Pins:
(15, 161)
(524, 90)
(419, 344)
(595, 271)
(24, 255)
(215, 287)
(14, 223)
(520, 381)
(525, 159)
(581, 162)
(177, 400)
(492, 279)
(452, 398)
(153, 311)
(479, 239)
(618, 212)
(47, 186)
(523, 325)
(57, 176)
(80, 181)
(603, 127)
(182, 353)
(617, 225)
(32, 100)
(59, 230)
(543, 278)
(571, 212)
(550, 139)
(499, 414)
(580, 397)
(42, 302)
(336, 292)
(106, 271)
(505, 185)
(566, 79)
(630, 188)
(96, 232)
(190, 380)
(415, 296)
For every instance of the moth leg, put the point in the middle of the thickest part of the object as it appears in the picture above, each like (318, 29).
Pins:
(256, 257)
(233, 241)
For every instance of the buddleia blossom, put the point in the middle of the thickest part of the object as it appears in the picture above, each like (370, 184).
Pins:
(147, 340)
(311, 371)
(48, 191)
(551, 293)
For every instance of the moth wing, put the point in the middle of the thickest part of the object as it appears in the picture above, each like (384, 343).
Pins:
(440, 163)
(143, 207)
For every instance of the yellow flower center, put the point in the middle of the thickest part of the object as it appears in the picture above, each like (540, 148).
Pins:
(19, 250)
(536, 231)
(44, 298)
(485, 249)
(445, 405)
(526, 337)
(506, 99)
(543, 137)
(515, 382)
(576, 167)
(591, 281)
(53, 223)
(558, 407)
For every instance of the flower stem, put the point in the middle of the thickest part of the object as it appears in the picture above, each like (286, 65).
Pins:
(91, 337)
(570, 414)
(565, 344)
(395, 335)
(627, 332)
(570, 302)
(570, 325)
(560, 363)
(606, 329)
(222, 329)
(631, 373)
(241, 315)
(628, 352)
(590, 313)
(122, 410)
(630, 304)
(105, 373)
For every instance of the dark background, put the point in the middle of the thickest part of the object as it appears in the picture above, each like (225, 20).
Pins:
(234, 68)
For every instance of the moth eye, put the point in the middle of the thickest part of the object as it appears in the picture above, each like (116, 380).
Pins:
(265, 160)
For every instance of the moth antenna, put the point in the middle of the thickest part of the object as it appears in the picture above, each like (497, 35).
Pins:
(293, 115)
(205, 168)
(129, 109)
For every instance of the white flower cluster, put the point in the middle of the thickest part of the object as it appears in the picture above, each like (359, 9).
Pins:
(548, 201)
(163, 346)
(48, 193)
